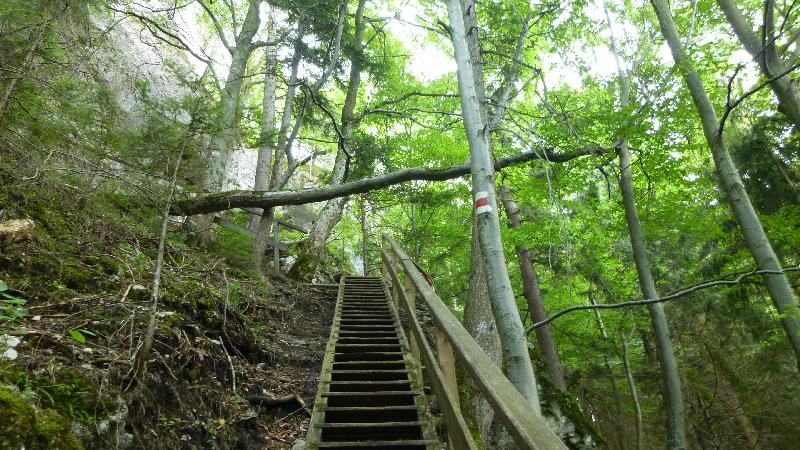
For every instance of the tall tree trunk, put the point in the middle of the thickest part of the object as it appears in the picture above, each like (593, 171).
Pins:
(266, 146)
(632, 386)
(479, 322)
(515, 345)
(275, 162)
(756, 239)
(281, 149)
(769, 61)
(676, 438)
(223, 141)
(306, 264)
(533, 296)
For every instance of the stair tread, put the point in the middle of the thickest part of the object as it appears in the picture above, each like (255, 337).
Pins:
(369, 393)
(366, 444)
(371, 408)
(369, 424)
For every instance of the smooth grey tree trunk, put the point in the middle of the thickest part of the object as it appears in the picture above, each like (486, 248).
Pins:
(479, 322)
(768, 60)
(266, 147)
(676, 438)
(264, 222)
(515, 345)
(676, 434)
(533, 296)
(755, 238)
(228, 120)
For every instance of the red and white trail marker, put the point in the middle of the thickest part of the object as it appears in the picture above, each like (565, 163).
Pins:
(482, 204)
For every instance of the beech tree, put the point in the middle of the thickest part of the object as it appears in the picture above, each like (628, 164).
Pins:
(757, 242)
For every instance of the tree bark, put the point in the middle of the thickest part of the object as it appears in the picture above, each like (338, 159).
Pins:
(266, 147)
(139, 368)
(769, 61)
(223, 141)
(533, 296)
(479, 322)
(515, 345)
(755, 238)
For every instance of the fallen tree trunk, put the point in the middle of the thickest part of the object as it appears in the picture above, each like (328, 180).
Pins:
(265, 199)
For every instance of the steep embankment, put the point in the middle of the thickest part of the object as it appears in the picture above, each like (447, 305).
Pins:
(230, 349)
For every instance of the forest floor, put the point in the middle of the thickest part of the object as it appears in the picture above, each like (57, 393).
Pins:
(74, 300)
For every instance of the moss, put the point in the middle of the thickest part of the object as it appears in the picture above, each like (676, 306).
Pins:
(17, 418)
(67, 393)
(22, 426)
(302, 268)
(54, 431)
(556, 403)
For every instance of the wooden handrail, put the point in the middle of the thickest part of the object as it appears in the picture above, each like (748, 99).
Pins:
(528, 429)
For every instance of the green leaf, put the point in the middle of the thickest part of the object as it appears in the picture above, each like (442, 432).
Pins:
(78, 336)
(13, 300)
(3, 286)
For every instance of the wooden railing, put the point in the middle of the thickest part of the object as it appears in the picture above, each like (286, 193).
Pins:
(528, 429)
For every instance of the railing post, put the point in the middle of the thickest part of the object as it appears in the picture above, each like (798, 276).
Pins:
(384, 267)
(410, 292)
(276, 252)
(395, 287)
(446, 359)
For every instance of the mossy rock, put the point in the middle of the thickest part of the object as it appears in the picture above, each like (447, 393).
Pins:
(22, 426)
(566, 415)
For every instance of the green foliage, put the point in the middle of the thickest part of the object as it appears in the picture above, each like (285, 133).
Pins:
(11, 307)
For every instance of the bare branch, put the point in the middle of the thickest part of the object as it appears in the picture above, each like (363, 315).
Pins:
(676, 294)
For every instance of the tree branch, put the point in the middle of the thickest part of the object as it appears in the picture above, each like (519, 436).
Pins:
(217, 25)
(262, 199)
(676, 294)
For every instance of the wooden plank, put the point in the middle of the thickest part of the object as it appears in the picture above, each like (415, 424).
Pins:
(444, 356)
(457, 428)
(411, 295)
(528, 429)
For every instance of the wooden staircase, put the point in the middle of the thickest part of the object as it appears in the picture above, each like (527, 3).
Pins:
(370, 395)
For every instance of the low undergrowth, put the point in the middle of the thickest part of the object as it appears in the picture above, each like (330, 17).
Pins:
(226, 338)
